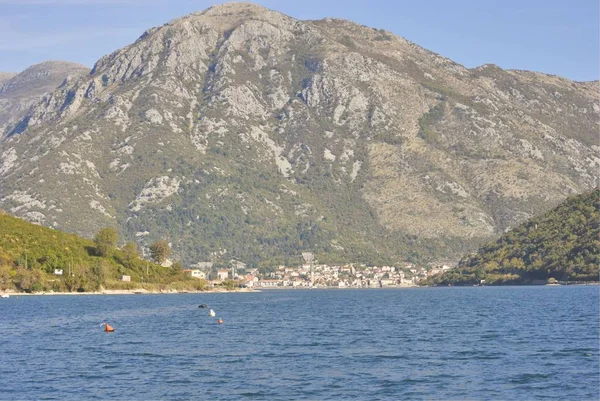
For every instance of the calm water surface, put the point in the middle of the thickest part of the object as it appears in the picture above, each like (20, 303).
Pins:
(483, 343)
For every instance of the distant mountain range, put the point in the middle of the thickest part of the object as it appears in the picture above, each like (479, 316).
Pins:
(241, 133)
(5, 76)
(18, 92)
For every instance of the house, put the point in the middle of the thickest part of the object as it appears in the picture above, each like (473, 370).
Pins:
(250, 280)
(268, 283)
(125, 278)
(195, 273)
(346, 269)
(298, 282)
(223, 274)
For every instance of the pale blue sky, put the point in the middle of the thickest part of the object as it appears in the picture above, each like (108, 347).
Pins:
(551, 36)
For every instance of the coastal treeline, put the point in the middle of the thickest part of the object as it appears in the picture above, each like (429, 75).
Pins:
(561, 245)
(35, 258)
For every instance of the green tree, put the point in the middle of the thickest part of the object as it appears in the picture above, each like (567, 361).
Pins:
(99, 273)
(130, 254)
(23, 279)
(160, 251)
(5, 277)
(106, 240)
(176, 267)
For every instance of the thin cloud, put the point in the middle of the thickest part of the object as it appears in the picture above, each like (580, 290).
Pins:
(72, 2)
(18, 41)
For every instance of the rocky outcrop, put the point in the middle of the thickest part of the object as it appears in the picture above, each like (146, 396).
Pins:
(241, 122)
(20, 91)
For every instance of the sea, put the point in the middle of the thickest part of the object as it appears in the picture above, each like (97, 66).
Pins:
(456, 343)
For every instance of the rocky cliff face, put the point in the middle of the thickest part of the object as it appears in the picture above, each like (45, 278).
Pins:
(239, 132)
(18, 92)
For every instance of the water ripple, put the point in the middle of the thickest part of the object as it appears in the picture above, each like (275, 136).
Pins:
(518, 343)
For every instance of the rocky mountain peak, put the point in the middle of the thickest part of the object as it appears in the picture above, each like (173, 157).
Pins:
(41, 78)
(20, 91)
(235, 9)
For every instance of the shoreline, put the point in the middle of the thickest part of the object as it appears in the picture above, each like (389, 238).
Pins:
(142, 291)
(139, 291)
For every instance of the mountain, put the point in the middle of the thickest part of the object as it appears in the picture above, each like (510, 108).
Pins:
(563, 244)
(5, 76)
(20, 91)
(241, 133)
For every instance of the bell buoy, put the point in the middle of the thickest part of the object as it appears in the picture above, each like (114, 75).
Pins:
(108, 328)
(220, 321)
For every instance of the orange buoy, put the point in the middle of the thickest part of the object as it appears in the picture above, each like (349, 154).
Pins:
(108, 328)
(220, 321)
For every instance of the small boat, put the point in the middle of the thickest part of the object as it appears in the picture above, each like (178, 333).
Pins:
(212, 313)
(4, 296)
(203, 306)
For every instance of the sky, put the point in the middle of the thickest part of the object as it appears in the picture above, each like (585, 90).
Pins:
(559, 37)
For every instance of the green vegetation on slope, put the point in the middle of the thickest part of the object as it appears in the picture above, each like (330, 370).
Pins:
(236, 209)
(30, 254)
(562, 245)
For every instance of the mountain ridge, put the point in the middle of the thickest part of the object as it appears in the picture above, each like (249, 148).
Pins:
(326, 135)
(5, 76)
(20, 91)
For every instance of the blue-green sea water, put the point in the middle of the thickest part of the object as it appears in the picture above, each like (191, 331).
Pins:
(479, 343)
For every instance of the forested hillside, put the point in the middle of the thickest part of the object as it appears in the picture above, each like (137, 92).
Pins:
(30, 254)
(561, 245)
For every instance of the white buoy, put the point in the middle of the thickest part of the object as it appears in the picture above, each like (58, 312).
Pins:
(212, 313)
